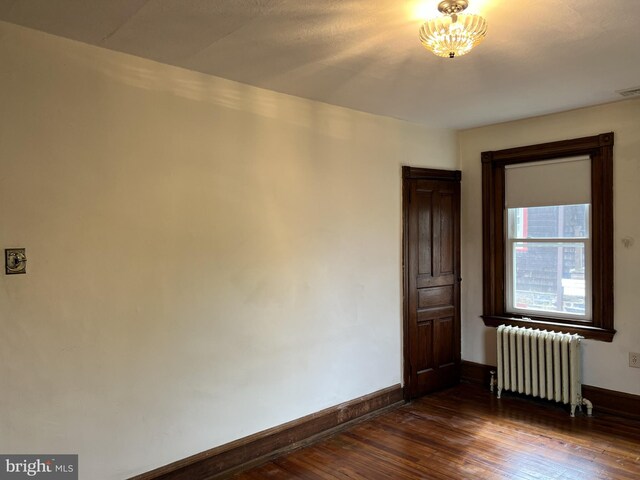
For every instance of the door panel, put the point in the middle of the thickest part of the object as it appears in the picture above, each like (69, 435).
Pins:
(425, 339)
(422, 282)
(446, 233)
(432, 285)
(435, 297)
(446, 345)
(424, 227)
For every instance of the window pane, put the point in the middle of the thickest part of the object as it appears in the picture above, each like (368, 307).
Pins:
(560, 221)
(549, 277)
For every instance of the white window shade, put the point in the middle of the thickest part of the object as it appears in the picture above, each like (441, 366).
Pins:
(555, 182)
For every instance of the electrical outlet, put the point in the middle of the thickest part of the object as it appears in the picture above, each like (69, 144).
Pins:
(634, 359)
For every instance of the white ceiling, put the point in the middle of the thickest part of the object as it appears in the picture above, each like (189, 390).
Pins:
(540, 56)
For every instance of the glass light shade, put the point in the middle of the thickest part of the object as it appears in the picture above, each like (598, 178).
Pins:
(453, 35)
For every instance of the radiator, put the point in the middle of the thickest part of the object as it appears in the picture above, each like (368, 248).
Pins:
(543, 364)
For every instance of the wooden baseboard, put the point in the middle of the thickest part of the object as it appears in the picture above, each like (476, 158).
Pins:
(611, 401)
(225, 460)
(478, 373)
(607, 401)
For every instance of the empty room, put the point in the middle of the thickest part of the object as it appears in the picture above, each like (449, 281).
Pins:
(329, 239)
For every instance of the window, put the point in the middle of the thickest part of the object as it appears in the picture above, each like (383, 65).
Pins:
(547, 236)
(549, 261)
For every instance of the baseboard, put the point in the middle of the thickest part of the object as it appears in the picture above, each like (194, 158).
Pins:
(225, 460)
(611, 401)
(607, 401)
(478, 373)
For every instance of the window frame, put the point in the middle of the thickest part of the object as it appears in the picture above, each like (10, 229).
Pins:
(599, 148)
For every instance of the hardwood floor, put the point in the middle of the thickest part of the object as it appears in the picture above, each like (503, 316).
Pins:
(465, 433)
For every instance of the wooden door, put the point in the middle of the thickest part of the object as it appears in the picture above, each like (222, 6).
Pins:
(431, 279)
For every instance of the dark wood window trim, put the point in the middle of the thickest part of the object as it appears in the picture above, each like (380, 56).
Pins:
(600, 149)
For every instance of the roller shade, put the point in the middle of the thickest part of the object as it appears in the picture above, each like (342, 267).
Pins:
(554, 182)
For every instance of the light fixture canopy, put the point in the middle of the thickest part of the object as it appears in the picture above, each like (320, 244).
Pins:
(453, 35)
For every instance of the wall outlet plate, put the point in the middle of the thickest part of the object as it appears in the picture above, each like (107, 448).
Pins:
(15, 261)
(634, 359)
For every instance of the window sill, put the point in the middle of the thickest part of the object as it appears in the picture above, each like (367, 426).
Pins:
(587, 331)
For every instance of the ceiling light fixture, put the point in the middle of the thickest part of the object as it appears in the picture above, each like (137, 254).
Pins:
(453, 35)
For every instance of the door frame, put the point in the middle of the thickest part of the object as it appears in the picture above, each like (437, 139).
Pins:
(408, 174)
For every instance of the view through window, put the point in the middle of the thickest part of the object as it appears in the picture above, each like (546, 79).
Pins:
(548, 261)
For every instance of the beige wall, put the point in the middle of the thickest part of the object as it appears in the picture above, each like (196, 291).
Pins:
(606, 365)
(206, 259)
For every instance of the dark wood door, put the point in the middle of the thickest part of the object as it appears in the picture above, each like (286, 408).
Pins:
(432, 280)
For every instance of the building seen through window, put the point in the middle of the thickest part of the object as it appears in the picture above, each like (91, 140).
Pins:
(548, 267)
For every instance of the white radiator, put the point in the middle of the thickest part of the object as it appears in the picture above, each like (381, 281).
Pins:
(541, 363)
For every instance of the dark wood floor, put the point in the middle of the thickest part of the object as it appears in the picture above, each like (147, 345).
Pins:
(465, 433)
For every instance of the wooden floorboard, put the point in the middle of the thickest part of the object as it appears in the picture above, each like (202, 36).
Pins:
(466, 433)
